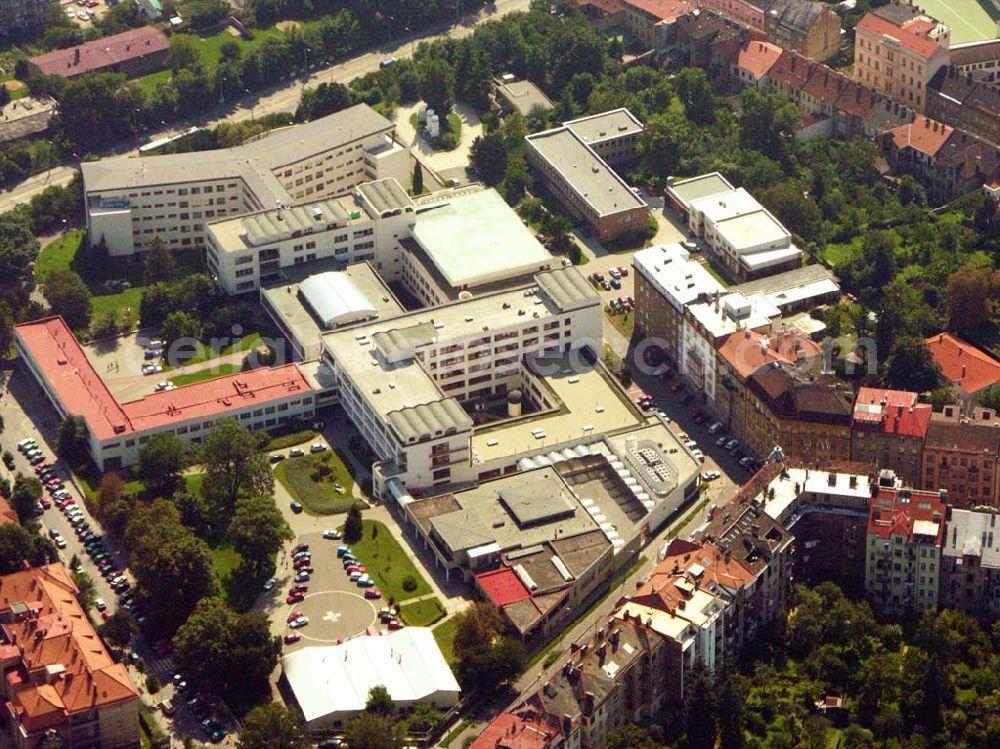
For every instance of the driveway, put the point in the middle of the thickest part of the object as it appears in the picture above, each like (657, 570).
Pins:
(439, 161)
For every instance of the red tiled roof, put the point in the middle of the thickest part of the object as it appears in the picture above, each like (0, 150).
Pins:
(84, 394)
(891, 412)
(665, 10)
(857, 100)
(503, 587)
(103, 53)
(894, 513)
(510, 731)
(964, 364)
(912, 36)
(747, 351)
(54, 632)
(792, 70)
(757, 58)
(923, 134)
(826, 84)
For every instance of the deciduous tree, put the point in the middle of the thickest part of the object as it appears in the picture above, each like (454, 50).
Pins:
(272, 726)
(27, 490)
(234, 465)
(19, 545)
(374, 731)
(257, 531)
(353, 527)
(159, 264)
(161, 460)
(69, 297)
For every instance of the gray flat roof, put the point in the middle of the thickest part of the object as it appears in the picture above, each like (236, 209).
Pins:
(475, 237)
(688, 190)
(524, 96)
(549, 507)
(596, 128)
(585, 172)
(807, 274)
(567, 288)
(275, 150)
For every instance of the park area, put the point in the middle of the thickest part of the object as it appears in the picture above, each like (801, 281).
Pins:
(970, 20)
(319, 481)
(66, 253)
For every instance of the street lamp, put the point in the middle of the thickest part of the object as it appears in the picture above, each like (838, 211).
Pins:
(222, 81)
(253, 104)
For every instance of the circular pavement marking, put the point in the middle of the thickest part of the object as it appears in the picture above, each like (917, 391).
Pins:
(325, 617)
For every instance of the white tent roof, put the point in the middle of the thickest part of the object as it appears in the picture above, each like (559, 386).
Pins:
(336, 679)
(335, 299)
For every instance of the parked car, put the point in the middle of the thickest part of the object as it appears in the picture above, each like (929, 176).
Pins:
(722, 440)
(293, 616)
(335, 535)
(374, 593)
(299, 622)
(296, 452)
(277, 458)
(342, 550)
(296, 507)
(732, 445)
(294, 597)
(292, 637)
(716, 427)
(710, 475)
(317, 447)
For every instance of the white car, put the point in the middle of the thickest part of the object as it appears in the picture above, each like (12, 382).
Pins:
(300, 622)
(710, 475)
(99, 604)
(295, 452)
(317, 447)
(690, 444)
(148, 369)
(714, 429)
(332, 534)
(165, 385)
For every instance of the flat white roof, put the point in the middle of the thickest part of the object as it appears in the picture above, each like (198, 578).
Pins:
(717, 320)
(752, 230)
(767, 258)
(337, 678)
(687, 191)
(475, 237)
(726, 205)
(678, 277)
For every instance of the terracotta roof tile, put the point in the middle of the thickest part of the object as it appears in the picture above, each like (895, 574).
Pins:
(757, 58)
(923, 134)
(964, 364)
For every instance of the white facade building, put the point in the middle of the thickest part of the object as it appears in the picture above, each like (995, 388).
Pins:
(130, 201)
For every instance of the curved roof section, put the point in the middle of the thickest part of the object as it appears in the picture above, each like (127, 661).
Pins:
(335, 300)
(272, 226)
(567, 288)
(417, 422)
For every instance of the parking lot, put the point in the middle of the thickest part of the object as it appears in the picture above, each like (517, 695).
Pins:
(84, 13)
(335, 607)
(21, 399)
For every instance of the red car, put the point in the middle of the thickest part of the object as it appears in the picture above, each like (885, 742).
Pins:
(373, 593)
(623, 270)
(294, 597)
(293, 616)
(292, 637)
(41, 467)
(355, 568)
(163, 648)
(54, 482)
(45, 502)
(303, 589)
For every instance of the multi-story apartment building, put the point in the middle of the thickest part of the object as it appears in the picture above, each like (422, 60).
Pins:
(897, 51)
(402, 380)
(888, 431)
(965, 101)
(651, 21)
(809, 419)
(61, 686)
(618, 676)
(265, 398)
(962, 457)
(970, 563)
(666, 281)
(130, 201)
(811, 28)
(576, 162)
(903, 559)
(26, 16)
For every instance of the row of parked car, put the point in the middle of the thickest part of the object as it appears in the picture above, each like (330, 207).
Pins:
(614, 278)
(202, 708)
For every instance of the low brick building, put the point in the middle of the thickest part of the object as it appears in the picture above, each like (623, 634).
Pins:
(134, 53)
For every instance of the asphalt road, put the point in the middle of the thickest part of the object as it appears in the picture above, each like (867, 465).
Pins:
(284, 98)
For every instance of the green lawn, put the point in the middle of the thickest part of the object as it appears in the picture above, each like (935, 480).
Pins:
(205, 374)
(203, 353)
(64, 254)
(148, 83)
(444, 634)
(388, 564)
(840, 254)
(225, 560)
(192, 485)
(422, 613)
(291, 440)
(311, 480)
